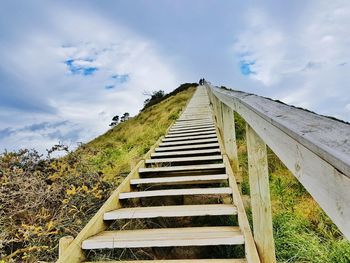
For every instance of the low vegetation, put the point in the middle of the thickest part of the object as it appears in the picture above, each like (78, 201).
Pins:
(43, 199)
(302, 231)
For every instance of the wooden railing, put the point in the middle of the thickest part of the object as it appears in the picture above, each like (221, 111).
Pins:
(316, 149)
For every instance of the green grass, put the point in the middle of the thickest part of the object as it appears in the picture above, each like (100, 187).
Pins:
(302, 231)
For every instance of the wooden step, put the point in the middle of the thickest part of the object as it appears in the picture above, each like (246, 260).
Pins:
(176, 180)
(166, 237)
(188, 142)
(184, 159)
(200, 127)
(192, 130)
(171, 211)
(188, 138)
(186, 147)
(211, 260)
(190, 134)
(192, 124)
(177, 192)
(184, 153)
(182, 168)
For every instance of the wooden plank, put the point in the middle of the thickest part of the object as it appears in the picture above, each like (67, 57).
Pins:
(209, 260)
(177, 192)
(326, 183)
(186, 147)
(260, 196)
(182, 168)
(192, 124)
(250, 247)
(193, 127)
(193, 137)
(326, 137)
(229, 136)
(188, 142)
(63, 244)
(184, 159)
(74, 253)
(171, 211)
(166, 237)
(184, 153)
(196, 179)
(191, 130)
(190, 134)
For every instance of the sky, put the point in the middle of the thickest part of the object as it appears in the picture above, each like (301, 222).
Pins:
(67, 67)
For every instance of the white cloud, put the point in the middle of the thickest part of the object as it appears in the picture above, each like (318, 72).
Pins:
(305, 62)
(39, 57)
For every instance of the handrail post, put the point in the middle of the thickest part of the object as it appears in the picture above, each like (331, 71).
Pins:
(229, 137)
(63, 244)
(260, 196)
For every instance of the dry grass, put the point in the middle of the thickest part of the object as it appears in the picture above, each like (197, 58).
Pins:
(43, 199)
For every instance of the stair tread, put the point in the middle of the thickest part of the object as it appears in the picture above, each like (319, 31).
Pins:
(193, 127)
(177, 192)
(190, 133)
(185, 147)
(192, 124)
(211, 260)
(183, 153)
(171, 211)
(182, 168)
(163, 144)
(184, 159)
(193, 137)
(180, 179)
(192, 130)
(166, 237)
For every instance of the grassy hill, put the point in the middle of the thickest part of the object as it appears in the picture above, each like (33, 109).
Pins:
(42, 200)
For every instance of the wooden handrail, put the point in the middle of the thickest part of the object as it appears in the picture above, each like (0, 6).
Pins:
(316, 149)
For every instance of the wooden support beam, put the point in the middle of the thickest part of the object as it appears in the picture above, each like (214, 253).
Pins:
(229, 138)
(63, 244)
(260, 196)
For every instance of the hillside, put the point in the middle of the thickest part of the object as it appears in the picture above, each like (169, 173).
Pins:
(42, 200)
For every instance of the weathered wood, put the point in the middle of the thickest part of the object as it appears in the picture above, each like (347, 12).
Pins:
(251, 252)
(74, 252)
(211, 260)
(190, 134)
(184, 159)
(304, 157)
(166, 237)
(193, 127)
(63, 244)
(229, 137)
(326, 137)
(183, 168)
(186, 153)
(187, 147)
(177, 192)
(191, 130)
(188, 142)
(171, 211)
(260, 196)
(195, 137)
(174, 180)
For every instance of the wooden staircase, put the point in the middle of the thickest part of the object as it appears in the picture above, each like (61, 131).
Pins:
(190, 168)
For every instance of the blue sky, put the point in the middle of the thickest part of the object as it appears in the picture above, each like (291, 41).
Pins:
(67, 67)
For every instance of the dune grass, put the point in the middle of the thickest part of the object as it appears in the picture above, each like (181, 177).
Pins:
(43, 199)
